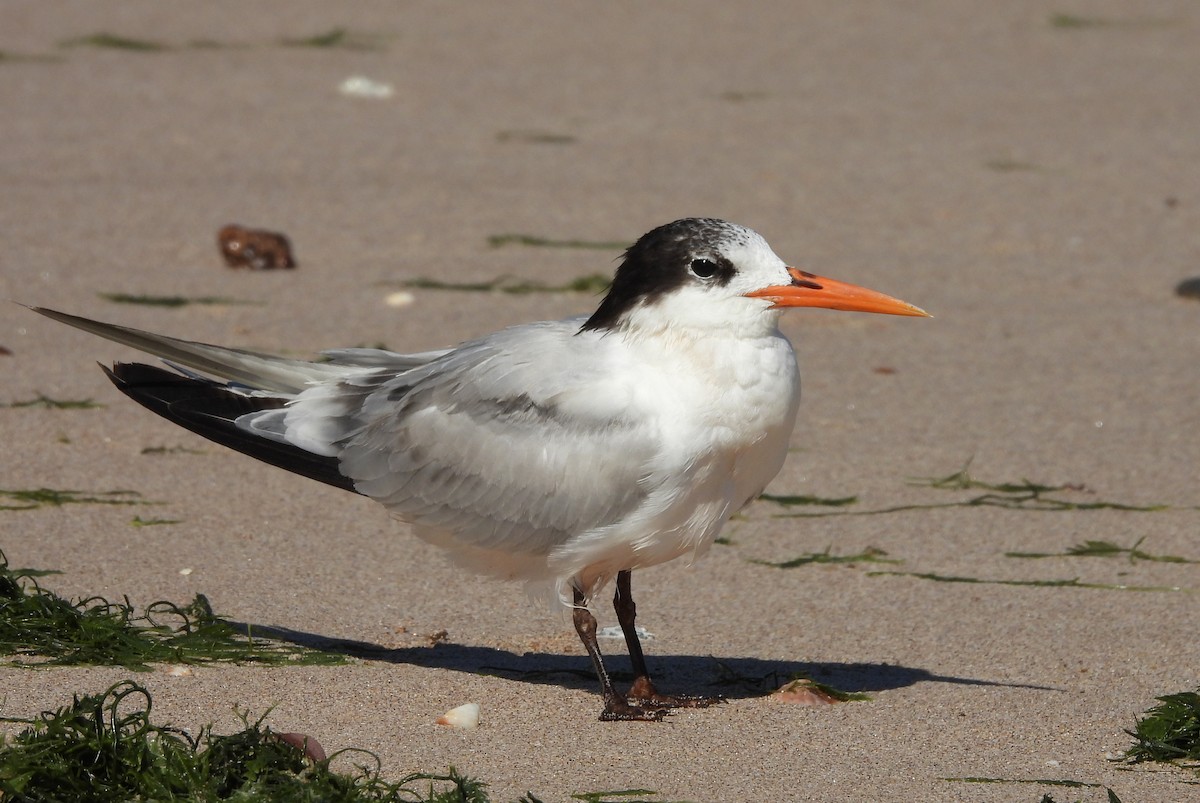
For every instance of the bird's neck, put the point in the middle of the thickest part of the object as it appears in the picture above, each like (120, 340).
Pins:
(672, 318)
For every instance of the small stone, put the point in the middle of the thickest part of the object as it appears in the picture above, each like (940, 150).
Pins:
(256, 249)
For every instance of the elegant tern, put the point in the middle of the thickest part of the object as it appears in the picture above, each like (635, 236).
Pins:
(567, 452)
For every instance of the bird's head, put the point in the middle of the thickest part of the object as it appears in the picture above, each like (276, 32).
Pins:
(710, 273)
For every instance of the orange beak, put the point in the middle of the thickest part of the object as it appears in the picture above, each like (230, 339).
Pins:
(809, 290)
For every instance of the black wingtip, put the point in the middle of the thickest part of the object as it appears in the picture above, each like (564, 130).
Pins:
(210, 410)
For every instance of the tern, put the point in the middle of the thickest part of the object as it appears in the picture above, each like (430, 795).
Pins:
(562, 453)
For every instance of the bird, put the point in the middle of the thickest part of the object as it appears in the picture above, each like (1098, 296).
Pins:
(565, 454)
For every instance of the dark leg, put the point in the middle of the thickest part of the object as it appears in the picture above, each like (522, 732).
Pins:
(616, 707)
(643, 692)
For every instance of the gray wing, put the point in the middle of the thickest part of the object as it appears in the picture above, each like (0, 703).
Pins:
(509, 442)
(248, 368)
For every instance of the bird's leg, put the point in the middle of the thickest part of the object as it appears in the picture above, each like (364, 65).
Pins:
(616, 707)
(642, 692)
(626, 610)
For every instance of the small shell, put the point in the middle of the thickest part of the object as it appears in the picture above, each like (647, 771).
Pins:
(400, 298)
(177, 670)
(803, 692)
(465, 716)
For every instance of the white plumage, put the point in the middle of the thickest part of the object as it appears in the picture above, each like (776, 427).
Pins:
(565, 452)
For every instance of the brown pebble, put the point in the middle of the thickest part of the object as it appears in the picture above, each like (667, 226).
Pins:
(254, 248)
(306, 744)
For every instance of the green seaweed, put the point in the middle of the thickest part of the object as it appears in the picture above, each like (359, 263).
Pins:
(1038, 781)
(593, 283)
(337, 38)
(1104, 549)
(613, 796)
(33, 498)
(536, 137)
(826, 690)
(1169, 732)
(106, 747)
(42, 400)
(115, 42)
(1011, 166)
(1070, 583)
(869, 555)
(171, 301)
(1075, 22)
(171, 450)
(41, 628)
(138, 521)
(795, 500)
(7, 55)
(533, 241)
(1023, 495)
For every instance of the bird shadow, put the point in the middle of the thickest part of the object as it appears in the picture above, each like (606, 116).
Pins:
(729, 677)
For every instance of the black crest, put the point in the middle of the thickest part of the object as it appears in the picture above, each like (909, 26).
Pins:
(662, 261)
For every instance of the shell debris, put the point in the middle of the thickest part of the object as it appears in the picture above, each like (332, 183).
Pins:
(465, 716)
(360, 86)
(803, 692)
(400, 298)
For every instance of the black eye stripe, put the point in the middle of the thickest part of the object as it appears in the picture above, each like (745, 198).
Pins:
(667, 258)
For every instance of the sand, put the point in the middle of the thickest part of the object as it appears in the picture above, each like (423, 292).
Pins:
(1032, 184)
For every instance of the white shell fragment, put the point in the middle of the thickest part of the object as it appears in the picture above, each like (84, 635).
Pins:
(465, 716)
(177, 670)
(359, 86)
(400, 298)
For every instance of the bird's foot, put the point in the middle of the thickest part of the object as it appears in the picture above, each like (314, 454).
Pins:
(642, 694)
(619, 710)
(643, 703)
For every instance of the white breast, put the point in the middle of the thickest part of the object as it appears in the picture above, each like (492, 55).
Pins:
(725, 409)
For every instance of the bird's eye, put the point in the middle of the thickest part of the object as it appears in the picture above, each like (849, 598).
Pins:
(704, 268)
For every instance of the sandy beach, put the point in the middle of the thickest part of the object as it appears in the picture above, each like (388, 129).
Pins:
(1028, 172)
